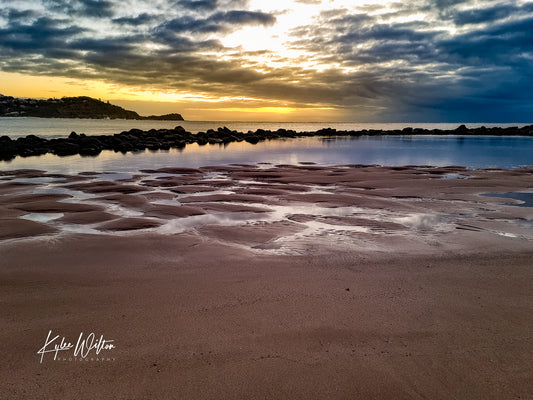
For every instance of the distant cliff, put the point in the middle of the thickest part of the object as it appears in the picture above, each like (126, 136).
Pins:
(71, 107)
(166, 117)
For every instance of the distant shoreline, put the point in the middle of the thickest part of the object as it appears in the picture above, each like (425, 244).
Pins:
(72, 107)
(164, 139)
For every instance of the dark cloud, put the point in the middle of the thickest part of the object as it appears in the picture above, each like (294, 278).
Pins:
(392, 70)
(199, 4)
(82, 8)
(15, 15)
(496, 45)
(418, 68)
(141, 19)
(446, 4)
(95, 8)
(187, 24)
(491, 14)
(244, 18)
(386, 33)
(44, 34)
(107, 47)
(218, 22)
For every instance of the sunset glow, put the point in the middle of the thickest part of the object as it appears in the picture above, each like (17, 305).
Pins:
(428, 60)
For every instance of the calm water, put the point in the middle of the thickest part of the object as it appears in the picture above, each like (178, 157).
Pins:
(55, 127)
(525, 198)
(472, 152)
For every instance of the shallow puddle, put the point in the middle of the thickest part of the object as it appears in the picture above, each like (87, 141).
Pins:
(42, 217)
(525, 198)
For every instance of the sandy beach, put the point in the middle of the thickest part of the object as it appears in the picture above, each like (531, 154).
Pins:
(268, 282)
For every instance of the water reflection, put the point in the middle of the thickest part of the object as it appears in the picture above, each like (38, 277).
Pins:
(472, 152)
(61, 127)
(525, 198)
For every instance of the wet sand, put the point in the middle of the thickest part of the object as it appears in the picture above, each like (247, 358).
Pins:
(276, 282)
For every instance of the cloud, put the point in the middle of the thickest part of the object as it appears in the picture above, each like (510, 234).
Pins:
(224, 21)
(82, 8)
(476, 16)
(95, 8)
(309, 1)
(420, 67)
(199, 4)
(445, 60)
(243, 17)
(17, 15)
(43, 35)
(141, 19)
(500, 44)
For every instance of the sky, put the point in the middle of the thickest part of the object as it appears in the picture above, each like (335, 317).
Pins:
(277, 60)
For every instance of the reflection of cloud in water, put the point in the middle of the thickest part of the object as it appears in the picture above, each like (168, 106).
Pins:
(423, 221)
(215, 176)
(165, 202)
(201, 194)
(42, 217)
(520, 199)
(37, 180)
(508, 152)
(454, 176)
(114, 176)
(349, 225)
(276, 214)
(180, 225)
(120, 211)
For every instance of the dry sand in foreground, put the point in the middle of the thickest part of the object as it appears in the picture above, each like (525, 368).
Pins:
(280, 282)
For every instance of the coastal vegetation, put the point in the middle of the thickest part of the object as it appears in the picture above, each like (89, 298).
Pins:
(71, 107)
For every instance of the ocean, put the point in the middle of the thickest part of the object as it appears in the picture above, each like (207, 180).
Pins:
(61, 127)
(468, 151)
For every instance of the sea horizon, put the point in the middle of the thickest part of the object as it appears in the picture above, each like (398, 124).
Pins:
(15, 127)
(277, 236)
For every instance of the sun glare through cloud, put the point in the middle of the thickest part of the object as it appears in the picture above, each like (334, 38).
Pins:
(373, 60)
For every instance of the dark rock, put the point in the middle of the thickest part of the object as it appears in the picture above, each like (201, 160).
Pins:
(327, 131)
(153, 145)
(29, 151)
(90, 146)
(90, 151)
(462, 129)
(30, 140)
(65, 148)
(179, 144)
(253, 139)
(163, 139)
(225, 130)
(135, 132)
